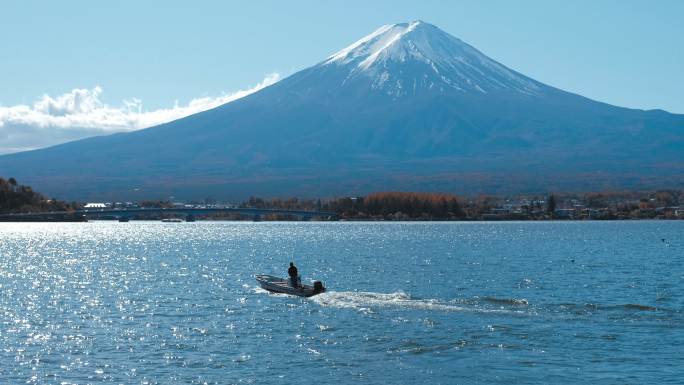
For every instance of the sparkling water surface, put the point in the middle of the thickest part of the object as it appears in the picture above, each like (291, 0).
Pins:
(408, 303)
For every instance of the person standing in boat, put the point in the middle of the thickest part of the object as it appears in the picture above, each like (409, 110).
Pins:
(294, 275)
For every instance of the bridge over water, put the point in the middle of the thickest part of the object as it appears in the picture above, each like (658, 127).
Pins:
(189, 213)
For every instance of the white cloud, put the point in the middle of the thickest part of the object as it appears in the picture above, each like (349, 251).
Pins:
(80, 113)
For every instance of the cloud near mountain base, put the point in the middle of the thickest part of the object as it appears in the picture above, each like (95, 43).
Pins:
(81, 113)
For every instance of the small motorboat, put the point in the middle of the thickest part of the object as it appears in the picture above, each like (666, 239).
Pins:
(281, 285)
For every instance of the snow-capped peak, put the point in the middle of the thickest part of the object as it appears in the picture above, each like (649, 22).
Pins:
(371, 46)
(410, 56)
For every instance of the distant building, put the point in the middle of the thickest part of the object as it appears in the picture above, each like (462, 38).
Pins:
(594, 213)
(95, 206)
(670, 212)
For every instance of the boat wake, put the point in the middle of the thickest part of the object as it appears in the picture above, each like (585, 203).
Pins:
(369, 302)
(507, 301)
(372, 302)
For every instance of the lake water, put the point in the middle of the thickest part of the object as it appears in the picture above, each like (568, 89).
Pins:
(408, 303)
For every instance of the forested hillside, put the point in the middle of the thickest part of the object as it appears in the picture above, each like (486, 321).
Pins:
(15, 197)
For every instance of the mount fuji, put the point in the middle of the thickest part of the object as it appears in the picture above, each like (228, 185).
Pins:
(408, 107)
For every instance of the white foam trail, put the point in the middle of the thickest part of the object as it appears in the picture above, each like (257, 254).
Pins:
(365, 301)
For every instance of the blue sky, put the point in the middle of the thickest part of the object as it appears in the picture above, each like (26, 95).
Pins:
(152, 54)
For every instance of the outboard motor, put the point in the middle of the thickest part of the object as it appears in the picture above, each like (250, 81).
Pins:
(318, 287)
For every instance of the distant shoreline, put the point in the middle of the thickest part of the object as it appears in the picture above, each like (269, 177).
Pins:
(19, 203)
(4, 220)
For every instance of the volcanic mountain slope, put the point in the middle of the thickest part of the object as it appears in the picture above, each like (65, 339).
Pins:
(407, 107)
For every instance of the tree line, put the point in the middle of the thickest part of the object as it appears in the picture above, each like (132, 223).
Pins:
(380, 205)
(440, 206)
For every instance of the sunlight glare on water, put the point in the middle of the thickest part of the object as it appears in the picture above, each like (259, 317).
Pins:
(514, 302)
